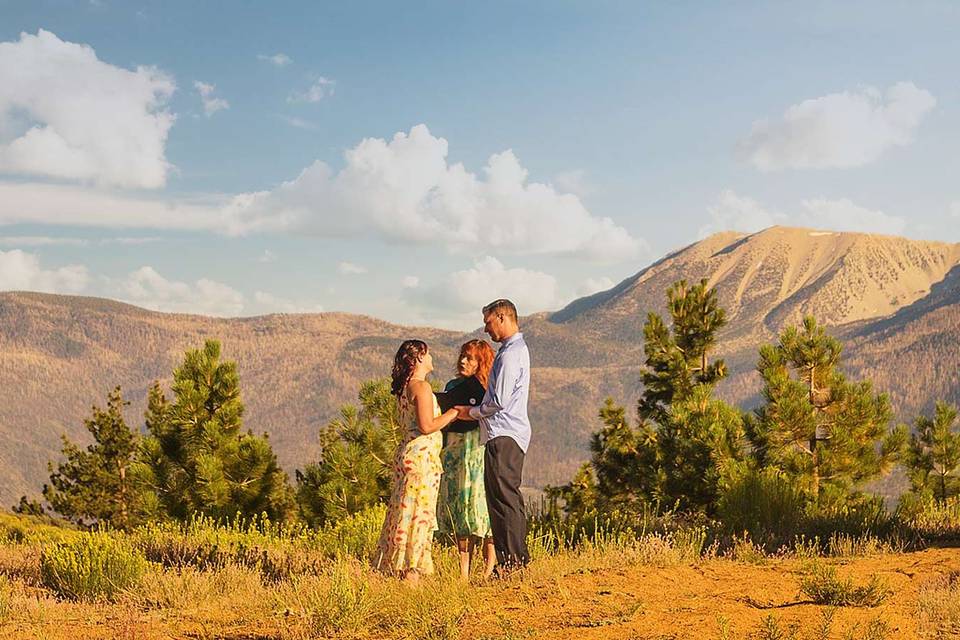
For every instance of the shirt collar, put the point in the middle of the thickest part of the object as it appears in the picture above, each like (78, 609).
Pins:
(515, 337)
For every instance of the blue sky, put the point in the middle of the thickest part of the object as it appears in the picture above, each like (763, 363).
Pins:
(411, 161)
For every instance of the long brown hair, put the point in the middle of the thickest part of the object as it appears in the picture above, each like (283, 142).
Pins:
(483, 353)
(408, 355)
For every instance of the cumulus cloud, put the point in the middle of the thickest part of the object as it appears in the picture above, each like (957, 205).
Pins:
(146, 288)
(468, 290)
(211, 103)
(20, 271)
(66, 114)
(839, 130)
(733, 212)
(268, 303)
(277, 59)
(573, 181)
(350, 269)
(594, 285)
(405, 190)
(317, 91)
(410, 282)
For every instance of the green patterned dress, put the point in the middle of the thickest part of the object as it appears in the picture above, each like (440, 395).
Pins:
(462, 504)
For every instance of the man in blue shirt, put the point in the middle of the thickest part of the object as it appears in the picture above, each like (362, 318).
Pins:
(505, 430)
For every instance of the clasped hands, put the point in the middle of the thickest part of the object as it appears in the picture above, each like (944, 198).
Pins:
(463, 412)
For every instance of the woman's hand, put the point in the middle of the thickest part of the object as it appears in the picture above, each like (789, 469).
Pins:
(423, 399)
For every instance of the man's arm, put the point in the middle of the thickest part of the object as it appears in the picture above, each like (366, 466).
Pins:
(505, 381)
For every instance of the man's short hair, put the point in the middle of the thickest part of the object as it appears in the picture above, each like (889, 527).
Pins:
(501, 306)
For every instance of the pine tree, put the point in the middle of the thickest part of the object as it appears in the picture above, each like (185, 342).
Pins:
(814, 424)
(685, 441)
(933, 456)
(197, 459)
(356, 462)
(93, 485)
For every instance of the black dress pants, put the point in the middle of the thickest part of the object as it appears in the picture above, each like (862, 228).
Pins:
(502, 472)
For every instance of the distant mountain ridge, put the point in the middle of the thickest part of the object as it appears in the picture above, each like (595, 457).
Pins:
(893, 301)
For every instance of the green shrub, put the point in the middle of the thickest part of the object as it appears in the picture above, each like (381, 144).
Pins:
(930, 519)
(354, 536)
(824, 586)
(93, 566)
(765, 505)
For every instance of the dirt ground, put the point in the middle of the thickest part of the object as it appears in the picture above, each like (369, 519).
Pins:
(648, 603)
(635, 602)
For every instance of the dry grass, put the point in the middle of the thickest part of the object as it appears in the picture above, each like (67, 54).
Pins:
(938, 607)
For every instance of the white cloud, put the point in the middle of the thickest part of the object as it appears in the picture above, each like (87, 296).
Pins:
(40, 241)
(300, 123)
(131, 241)
(146, 288)
(844, 215)
(349, 269)
(211, 103)
(66, 114)
(277, 59)
(839, 130)
(410, 282)
(269, 303)
(267, 256)
(404, 190)
(573, 181)
(468, 290)
(320, 88)
(733, 212)
(594, 285)
(77, 206)
(20, 271)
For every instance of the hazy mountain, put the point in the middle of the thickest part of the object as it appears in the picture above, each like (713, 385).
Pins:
(892, 300)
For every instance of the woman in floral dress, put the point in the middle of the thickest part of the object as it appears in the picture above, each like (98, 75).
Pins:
(462, 508)
(407, 534)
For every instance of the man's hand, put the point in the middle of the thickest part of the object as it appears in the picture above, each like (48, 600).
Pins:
(463, 412)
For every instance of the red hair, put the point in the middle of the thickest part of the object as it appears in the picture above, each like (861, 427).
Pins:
(483, 354)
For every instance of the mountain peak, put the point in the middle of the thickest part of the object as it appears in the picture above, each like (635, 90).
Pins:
(776, 276)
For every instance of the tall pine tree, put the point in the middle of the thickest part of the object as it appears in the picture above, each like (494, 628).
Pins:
(355, 466)
(933, 456)
(197, 459)
(94, 485)
(814, 424)
(685, 441)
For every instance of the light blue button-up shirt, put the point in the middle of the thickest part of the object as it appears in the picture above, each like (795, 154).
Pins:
(503, 411)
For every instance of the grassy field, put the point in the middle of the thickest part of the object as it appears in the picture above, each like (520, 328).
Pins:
(264, 581)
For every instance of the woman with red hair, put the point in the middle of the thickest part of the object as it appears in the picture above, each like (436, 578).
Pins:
(462, 507)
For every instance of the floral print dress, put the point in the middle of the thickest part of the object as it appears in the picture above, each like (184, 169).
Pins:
(407, 534)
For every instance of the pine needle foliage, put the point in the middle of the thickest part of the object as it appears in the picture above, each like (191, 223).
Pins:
(685, 443)
(197, 459)
(814, 424)
(356, 462)
(933, 455)
(94, 485)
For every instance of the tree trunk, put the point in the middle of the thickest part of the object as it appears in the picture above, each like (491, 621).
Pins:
(815, 480)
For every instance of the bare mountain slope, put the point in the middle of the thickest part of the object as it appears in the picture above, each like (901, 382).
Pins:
(775, 277)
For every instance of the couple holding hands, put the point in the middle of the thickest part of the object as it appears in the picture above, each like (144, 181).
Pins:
(458, 469)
